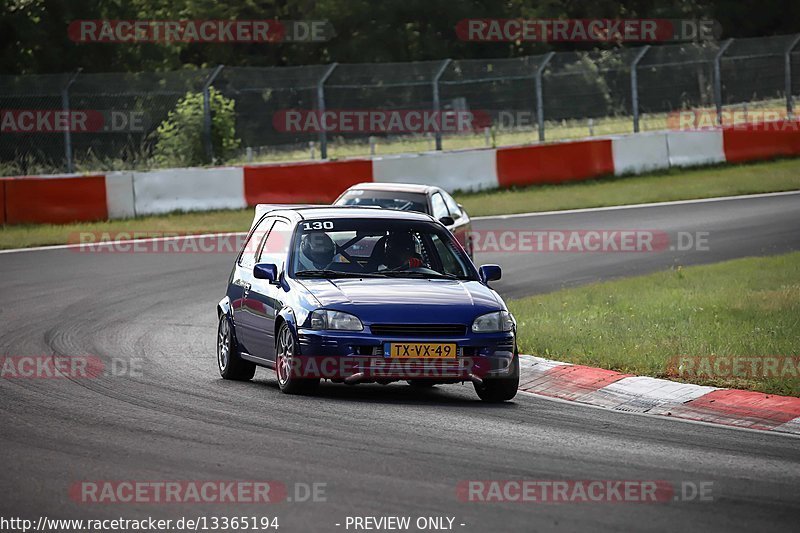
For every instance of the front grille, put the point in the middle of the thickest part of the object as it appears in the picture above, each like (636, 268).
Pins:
(419, 330)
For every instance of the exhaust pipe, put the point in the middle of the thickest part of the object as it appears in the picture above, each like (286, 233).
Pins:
(355, 378)
(475, 379)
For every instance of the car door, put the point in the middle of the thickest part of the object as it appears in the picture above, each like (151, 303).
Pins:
(462, 224)
(246, 334)
(266, 299)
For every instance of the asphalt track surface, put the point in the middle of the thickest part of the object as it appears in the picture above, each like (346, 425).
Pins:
(380, 450)
(728, 229)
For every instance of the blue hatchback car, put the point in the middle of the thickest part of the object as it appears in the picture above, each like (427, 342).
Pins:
(360, 295)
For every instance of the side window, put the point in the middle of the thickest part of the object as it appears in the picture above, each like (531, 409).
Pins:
(276, 245)
(448, 257)
(452, 206)
(438, 206)
(253, 244)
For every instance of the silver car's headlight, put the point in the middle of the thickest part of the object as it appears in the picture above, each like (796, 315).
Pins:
(493, 322)
(326, 319)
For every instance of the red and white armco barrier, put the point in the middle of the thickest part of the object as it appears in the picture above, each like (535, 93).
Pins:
(70, 198)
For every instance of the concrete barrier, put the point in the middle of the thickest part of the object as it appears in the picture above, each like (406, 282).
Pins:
(55, 199)
(640, 153)
(69, 198)
(303, 182)
(554, 163)
(468, 170)
(119, 195)
(761, 141)
(692, 148)
(3, 200)
(188, 189)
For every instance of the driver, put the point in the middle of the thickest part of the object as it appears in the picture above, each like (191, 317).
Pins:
(316, 251)
(400, 251)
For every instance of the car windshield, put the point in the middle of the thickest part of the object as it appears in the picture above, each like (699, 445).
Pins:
(398, 200)
(337, 248)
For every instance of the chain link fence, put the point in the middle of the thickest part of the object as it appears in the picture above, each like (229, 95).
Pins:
(79, 122)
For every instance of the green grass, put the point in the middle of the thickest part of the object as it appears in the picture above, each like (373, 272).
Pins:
(23, 236)
(673, 185)
(676, 184)
(745, 307)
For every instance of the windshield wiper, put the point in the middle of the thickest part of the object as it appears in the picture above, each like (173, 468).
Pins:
(326, 273)
(420, 275)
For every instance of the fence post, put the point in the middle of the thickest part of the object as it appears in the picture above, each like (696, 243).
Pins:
(436, 105)
(635, 87)
(539, 96)
(207, 113)
(718, 79)
(67, 132)
(323, 135)
(787, 63)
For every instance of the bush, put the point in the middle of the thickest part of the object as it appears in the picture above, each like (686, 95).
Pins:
(179, 138)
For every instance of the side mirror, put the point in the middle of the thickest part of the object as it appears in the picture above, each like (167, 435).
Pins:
(447, 220)
(267, 271)
(490, 272)
(461, 207)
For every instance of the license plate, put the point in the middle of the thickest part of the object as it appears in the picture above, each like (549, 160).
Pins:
(420, 350)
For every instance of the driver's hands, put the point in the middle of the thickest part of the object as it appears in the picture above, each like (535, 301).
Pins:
(412, 262)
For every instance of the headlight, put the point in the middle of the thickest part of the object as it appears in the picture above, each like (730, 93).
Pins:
(493, 322)
(325, 319)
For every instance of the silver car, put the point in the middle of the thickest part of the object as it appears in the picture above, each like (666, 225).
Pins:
(412, 197)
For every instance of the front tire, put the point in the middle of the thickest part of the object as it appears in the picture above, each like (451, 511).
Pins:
(500, 389)
(229, 362)
(285, 350)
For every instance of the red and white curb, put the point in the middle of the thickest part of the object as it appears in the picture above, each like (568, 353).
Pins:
(624, 392)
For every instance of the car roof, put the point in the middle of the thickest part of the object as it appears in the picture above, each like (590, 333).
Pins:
(398, 187)
(322, 212)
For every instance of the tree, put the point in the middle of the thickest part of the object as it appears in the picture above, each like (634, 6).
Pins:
(179, 138)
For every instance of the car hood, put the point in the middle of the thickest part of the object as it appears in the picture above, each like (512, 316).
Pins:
(406, 300)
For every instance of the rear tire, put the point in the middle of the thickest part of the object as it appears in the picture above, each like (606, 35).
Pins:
(285, 350)
(500, 389)
(229, 362)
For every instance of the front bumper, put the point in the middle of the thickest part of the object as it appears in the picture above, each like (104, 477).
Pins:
(359, 356)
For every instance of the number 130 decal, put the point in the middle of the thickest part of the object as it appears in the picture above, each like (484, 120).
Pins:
(317, 224)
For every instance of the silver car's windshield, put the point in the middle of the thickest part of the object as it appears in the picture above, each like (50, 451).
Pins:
(398, 200)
